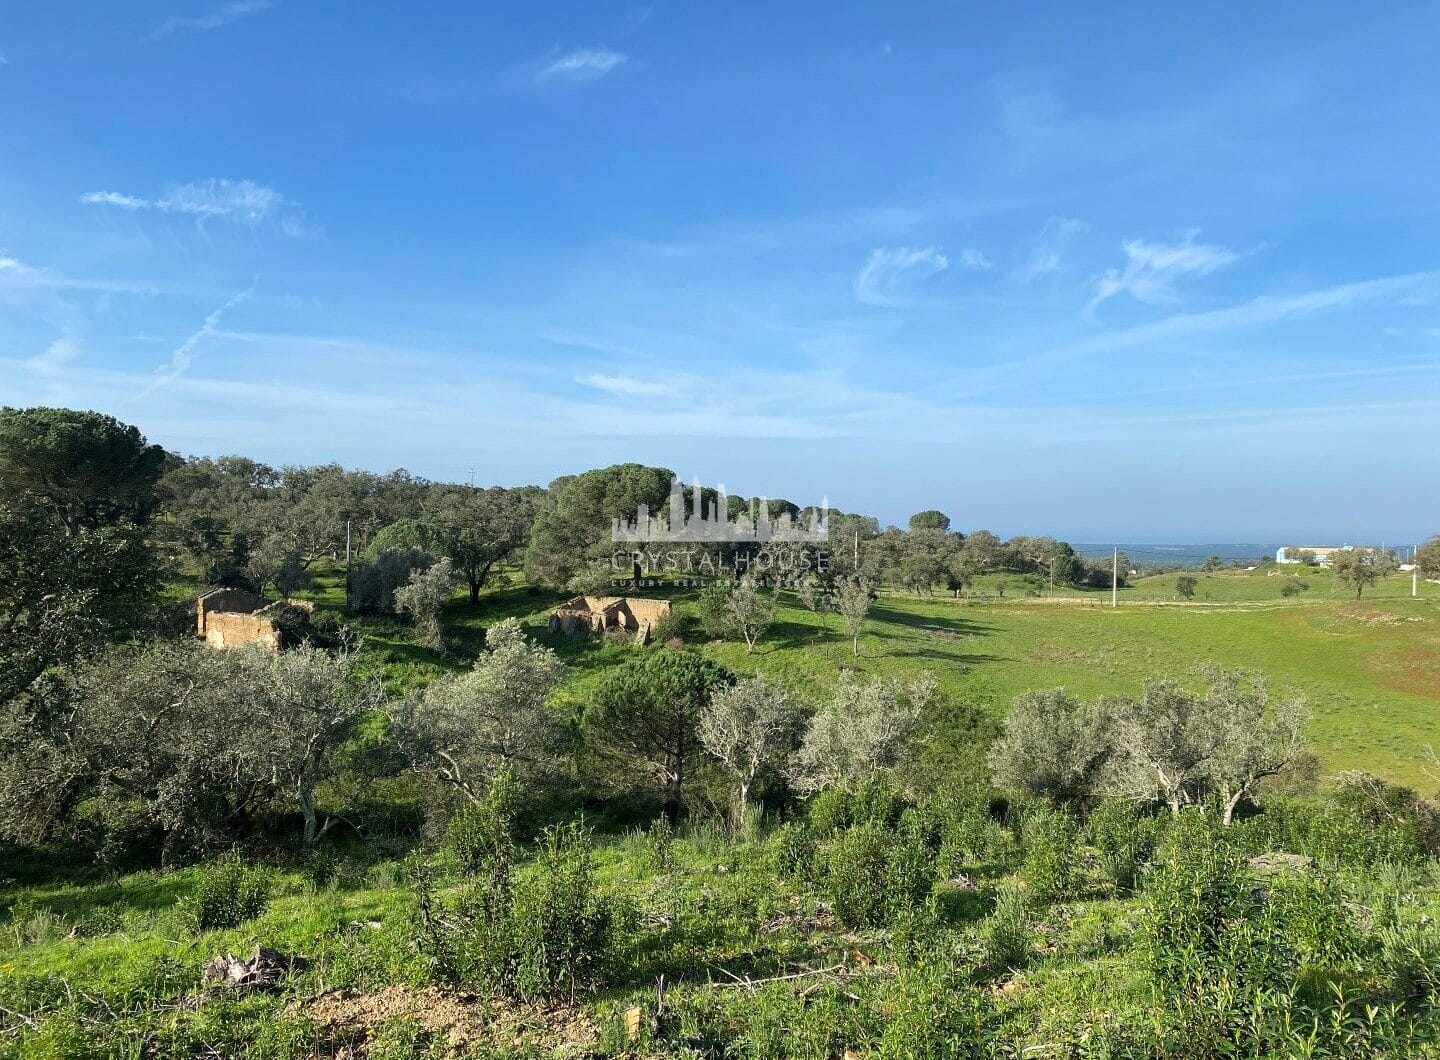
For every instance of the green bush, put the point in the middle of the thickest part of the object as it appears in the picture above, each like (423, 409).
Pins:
(552, 935)
(660, 844)
(790, 849)
(1364, 824)
(1050, 864)
(1125, 839)
(227, 894)
(966, 834)
(932, 1011)
(1409, 961)
(1203, 914)
(673, 623)
(878, 801)
(871, 873)
(1005, 935)
(481, 833)
(565, 930)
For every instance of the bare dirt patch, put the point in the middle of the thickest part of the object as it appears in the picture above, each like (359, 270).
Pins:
(462, 1022)
(1368, 616)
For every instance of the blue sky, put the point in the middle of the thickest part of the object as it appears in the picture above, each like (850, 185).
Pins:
(1140, 273)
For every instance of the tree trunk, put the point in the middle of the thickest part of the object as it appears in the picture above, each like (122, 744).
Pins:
(307, 808)
(474, 591)
(672, 794)
(744, 803)
(1231, 804)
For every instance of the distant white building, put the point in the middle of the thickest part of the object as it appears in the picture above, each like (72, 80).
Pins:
(1322, 553)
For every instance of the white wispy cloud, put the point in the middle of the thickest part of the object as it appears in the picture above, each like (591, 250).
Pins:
(212, 18)
(1152, 268)
(880, 280)
(975, 260)
(7, 264)
(1048, 247)
(242, 201)
(114, 198)
(581, 64)
(626, 386)
(59, 353)
(1406, 289)
(184, 354)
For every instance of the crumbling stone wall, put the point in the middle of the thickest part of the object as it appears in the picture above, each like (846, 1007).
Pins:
(228, 630)
(233, 618)
(596, 614)
(235, 601)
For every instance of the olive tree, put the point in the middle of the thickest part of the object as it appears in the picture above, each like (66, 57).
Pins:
(1182, 748)
(1252, 735)
(373, 585)
(1427, 558)
(465, 729)
(306, 705)
(751, 726)
(159, 739)
(749, 610)
(1361, 568)
(1161, 747)
(863, 729)
(1053, 746)
(853, 597)
(193, 740)
(422, 597)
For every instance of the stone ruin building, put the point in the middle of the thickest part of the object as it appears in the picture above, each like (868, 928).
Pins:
(234, 618)
(597, 614)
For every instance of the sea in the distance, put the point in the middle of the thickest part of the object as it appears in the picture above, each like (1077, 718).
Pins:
(1163, 555)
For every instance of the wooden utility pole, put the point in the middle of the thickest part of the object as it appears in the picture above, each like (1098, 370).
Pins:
(347, 563)
(1115, 577)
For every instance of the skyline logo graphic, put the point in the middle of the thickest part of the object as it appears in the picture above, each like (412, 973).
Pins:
(711, 523)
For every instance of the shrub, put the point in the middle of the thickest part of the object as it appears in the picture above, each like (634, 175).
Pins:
(932, 1011)
(1005, 934)
(422, 597)
(1364, 824)
(373, 584)
(553, 936)
(790, 849)
(565, 931)
(872, 873)
(227, 894)
(1125, 839)
(877, 801)
(1409, 960)
(1050, 863)
(479, 835)
(712, 610)
(660, 844)
(673, 624)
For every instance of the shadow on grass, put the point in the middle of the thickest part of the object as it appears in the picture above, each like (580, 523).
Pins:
(927, 623)
(142, 891)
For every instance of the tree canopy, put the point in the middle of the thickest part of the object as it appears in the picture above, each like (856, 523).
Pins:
(572, 528)
(645, 714)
